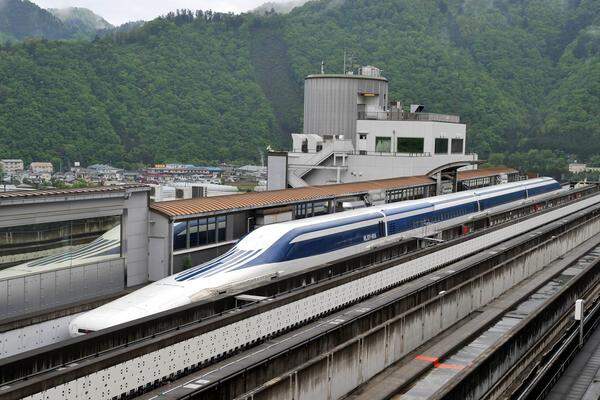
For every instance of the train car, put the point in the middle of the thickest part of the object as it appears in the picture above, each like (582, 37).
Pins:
(290, 247)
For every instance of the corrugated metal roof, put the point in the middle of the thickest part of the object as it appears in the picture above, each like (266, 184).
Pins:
(178, 208)
(483, 173)
(273, 198)
(68, 192)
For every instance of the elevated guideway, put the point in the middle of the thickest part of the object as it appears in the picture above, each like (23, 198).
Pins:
(332, 356)
(136, 357)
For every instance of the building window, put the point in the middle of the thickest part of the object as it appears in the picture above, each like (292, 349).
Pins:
(457, 146)
(383, 144)
(180, 240)
(306, 210)
(362, 136)
(441, 146)
(60, 244)
(221, 228)
(199, 232)
(410, 145)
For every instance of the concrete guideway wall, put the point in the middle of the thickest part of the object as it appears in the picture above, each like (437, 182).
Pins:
(339, 371)
(161, 364)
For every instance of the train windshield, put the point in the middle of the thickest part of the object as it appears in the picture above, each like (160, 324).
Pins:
(262, 237)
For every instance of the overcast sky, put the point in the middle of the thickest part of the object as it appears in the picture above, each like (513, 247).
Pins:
(119, 11)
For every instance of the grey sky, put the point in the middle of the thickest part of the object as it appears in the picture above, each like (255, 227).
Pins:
(119, 11)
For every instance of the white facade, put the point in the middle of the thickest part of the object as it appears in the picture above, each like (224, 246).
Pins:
(11, 166)
(41, 168)
(351, 135)
(369, 130)
(380, 152)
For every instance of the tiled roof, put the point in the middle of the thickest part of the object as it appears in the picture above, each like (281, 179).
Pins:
(482, 173)
(68, 192)
(178, 208)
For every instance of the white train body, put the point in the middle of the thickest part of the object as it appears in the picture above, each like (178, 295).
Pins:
(294, 246)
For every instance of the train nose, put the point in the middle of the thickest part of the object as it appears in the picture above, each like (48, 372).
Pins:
(74, 329)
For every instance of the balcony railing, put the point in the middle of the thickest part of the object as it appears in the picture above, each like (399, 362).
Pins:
(394, 115)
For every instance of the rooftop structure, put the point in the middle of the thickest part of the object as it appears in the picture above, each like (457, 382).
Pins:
(352, 133)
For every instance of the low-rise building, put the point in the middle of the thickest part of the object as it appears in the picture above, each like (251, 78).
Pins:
(576, 168)
(10, 166)
(41, 168)
(103, 172)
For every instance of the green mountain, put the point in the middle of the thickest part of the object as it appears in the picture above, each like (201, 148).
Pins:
(20, 19)
(81, 20)
(206, 87)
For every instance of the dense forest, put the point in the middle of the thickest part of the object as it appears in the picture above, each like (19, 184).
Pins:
(205, 87)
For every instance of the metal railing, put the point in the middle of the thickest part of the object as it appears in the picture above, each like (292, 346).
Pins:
(396, 115)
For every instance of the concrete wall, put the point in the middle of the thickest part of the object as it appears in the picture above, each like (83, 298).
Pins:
(41, 291)
(370, 167)
(277, 171)
(135, 238)
(425, 129)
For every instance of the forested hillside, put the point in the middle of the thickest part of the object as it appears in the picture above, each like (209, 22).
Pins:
(205, 87)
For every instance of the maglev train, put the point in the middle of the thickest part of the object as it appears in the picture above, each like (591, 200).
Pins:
(291, 247)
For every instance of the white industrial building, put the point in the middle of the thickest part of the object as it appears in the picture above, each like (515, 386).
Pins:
(352, 133)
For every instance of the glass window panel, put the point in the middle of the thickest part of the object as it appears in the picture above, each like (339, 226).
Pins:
(441, 146)
(202, 234)
(180, 235)
(410, 145)
(457, 146)
(193, 230)
(55, 245)
(211, 231)
(383, 144)
(222, 228)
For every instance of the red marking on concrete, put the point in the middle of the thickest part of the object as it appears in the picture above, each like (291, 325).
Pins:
(426, 358)
(437, 364)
